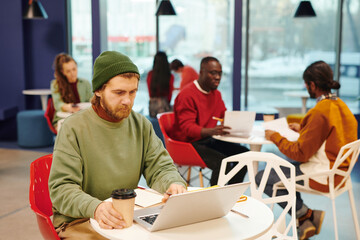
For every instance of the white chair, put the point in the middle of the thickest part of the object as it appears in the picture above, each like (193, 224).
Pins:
(282, 229)
(349, 151)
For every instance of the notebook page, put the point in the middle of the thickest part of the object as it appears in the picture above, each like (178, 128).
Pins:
(281, 126)
(147, 197)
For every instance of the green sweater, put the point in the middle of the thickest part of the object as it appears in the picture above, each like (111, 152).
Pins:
(84, 90)
(92, 157)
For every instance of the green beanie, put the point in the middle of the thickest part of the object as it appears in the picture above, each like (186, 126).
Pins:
(110, 64)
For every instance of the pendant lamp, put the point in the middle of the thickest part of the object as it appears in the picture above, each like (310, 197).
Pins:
(35, 10)
(305, 10)
(165, 8)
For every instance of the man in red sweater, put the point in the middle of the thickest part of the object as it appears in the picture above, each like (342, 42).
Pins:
(188, 74)
(194, 109)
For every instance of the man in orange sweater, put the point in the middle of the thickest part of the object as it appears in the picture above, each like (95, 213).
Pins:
(323, 131)
(194, 109)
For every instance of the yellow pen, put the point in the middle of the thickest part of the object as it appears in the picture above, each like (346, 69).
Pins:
(218, 119)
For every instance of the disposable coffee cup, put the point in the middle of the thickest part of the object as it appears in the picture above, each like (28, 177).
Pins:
(268, 117)
(123, 201)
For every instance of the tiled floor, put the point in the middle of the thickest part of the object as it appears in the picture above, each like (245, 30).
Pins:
(17, 221)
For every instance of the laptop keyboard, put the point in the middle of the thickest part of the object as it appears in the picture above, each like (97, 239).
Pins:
(149, 218)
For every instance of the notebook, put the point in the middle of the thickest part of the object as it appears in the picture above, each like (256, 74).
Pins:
(191, 207)
(241, 123)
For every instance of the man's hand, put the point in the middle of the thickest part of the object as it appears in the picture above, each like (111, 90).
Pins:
(218, 130)
(294, 126)
(108, 217)
(173, 189)
(268, 134)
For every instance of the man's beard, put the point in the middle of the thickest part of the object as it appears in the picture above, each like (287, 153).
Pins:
(118, 113)
(311, 93)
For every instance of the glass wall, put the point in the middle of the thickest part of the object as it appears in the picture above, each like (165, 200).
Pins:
(201, 28)
(81, 36)
(131, 29)
(350, 57)
(281, 47)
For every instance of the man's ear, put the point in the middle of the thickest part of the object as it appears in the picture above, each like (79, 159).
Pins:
(312, 86)
(98, 93)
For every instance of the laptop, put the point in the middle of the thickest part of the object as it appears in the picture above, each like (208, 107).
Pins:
(241, 123)
(191, 207)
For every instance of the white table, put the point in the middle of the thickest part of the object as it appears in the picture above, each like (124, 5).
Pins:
(255, 141)
(43, 93)
(304, 95)
(231, 226)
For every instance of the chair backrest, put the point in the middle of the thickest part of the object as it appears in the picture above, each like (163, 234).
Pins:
(273, 162)
(49, 114)
(182, 153)
(348, 154)
(39, 196)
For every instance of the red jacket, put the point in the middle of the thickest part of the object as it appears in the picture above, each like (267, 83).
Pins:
(188, 75)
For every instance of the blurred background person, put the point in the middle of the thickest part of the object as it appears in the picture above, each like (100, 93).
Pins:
(160, 83)
(188, 74)
(67, 90)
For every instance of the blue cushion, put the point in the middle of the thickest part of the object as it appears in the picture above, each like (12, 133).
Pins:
(32, 129)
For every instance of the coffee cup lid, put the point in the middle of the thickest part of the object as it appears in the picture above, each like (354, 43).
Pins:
(123, 193)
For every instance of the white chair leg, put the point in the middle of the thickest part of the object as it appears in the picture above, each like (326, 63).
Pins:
(353, 210)
(334, 218)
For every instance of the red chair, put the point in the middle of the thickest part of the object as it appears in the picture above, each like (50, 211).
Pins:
(39, 196)
(49, 114)
(183, 153)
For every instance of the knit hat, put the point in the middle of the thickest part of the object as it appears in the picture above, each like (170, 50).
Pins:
(110, 64)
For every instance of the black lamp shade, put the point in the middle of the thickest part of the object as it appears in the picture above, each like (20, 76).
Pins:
(305, 10)
(35, 10)
(165, 8)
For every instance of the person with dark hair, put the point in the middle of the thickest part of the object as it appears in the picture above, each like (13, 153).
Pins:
(104, 148)
(323, 131)
(160, 83)
(67, 89)
(194, 109)
(188, 74)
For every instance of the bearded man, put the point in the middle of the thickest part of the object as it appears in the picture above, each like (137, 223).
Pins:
(104, 148)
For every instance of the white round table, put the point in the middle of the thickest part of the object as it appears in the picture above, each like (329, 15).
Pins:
(231, 226)
(255, 141)
(43, 93)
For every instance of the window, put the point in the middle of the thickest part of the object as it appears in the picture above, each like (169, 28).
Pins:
(81, 36)
(281, 47)
(131, 29)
